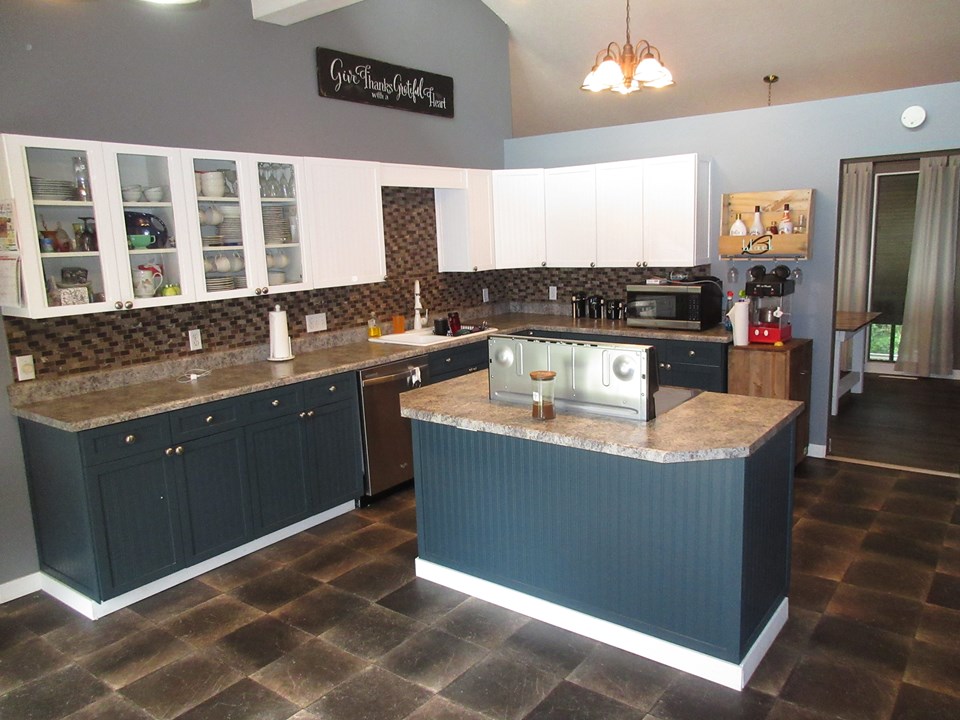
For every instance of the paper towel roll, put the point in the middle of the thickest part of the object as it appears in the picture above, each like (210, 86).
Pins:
(279, 337)
(740, 317)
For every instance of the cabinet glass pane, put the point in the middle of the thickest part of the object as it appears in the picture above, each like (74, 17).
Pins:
(218, 206)
(281, 228)
(150, 225)
(66, 224)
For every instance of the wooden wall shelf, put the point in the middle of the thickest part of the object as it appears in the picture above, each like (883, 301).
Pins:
(795, 246)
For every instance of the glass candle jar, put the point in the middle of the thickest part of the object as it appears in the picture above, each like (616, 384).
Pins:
(543, 394)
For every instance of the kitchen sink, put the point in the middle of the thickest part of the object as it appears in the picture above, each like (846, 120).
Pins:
(424, 337)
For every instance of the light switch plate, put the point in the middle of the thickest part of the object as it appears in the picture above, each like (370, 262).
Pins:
(553, 292)
(25, 368)
(196, 343)
(486, 295)
(316, 322)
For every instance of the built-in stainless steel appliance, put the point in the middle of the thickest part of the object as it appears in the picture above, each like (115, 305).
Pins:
(693, 305)
(592, 377)
(387, 441)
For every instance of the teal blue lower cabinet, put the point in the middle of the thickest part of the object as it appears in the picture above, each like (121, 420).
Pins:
(119, 506)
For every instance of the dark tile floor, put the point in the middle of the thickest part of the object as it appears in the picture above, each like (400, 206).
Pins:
(332, 624)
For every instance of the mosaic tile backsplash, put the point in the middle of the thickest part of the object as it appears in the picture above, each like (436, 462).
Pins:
(89, 343)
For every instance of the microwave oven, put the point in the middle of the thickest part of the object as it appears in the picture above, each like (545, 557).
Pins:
(694, 305)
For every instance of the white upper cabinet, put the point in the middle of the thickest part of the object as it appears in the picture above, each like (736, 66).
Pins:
(570, 200)
(519, 218)
(465, 224)
(620, 214)
(345, 222)
(676, 193)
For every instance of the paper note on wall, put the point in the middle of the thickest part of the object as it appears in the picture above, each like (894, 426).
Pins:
(10, 280)
(8, 233)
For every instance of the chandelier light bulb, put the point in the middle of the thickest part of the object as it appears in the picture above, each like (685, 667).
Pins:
(609, 73)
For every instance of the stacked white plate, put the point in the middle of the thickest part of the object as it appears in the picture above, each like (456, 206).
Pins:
(276, 226)
(52, 189)
(230, 230)
(240, 281)
(220, 283)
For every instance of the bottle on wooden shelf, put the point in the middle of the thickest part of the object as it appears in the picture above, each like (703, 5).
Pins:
(786, 222)
(756, 227)
(739, 227)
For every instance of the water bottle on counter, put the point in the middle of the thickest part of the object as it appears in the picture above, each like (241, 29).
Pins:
(727, 321)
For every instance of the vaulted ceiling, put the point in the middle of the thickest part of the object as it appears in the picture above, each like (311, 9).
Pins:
(718, 53)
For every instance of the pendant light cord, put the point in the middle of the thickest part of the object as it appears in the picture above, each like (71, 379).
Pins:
(628, 22)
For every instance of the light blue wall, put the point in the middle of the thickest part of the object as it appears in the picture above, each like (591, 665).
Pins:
(774, 148)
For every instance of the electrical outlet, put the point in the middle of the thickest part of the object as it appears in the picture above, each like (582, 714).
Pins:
(486, 295)
(25, 368)
(553, 292)
(196, 343)
(316, 322)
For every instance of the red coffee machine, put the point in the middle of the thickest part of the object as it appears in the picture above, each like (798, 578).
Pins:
(770, 301)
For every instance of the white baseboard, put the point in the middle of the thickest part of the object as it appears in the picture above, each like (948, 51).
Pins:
(13, 589)
(722, 672)
(94, 610)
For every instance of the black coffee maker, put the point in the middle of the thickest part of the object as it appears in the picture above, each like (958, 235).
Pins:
(614, 309)
(139, 223)
(578, 304)
(595, 307)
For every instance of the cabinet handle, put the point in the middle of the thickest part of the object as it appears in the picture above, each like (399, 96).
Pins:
(332, 388)
(692, 353)
(258, 291)
(474, 268)
(449, 359)
(310, 413)
(303, 414)
(118, 305)
(543, 264)
(168, 452)
(266, 290)
(275, 403)
(665, 366)
(128, 304)
(473, 369)
(179, 450)
(209, 420)
(130, 439)
(593, 264)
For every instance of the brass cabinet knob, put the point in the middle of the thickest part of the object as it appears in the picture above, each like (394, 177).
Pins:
(118, 305)
(310, 413)
(168, 452)
(447, 360)
(275, 403)
(265, 290)
(130, 439)
(303, 414)
(692, 353)
(179, 450)
(332, 388)
(209, 420)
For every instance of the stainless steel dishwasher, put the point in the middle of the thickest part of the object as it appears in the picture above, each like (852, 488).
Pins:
(387, 441)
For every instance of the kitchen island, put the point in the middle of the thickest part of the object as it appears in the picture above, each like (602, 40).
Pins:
(668, 539)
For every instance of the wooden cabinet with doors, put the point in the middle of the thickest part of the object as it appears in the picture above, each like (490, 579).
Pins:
(775, 372)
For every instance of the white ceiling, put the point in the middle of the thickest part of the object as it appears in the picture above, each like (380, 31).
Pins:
(719, 53)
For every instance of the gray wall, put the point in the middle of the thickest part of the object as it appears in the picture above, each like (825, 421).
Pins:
(212, 77)
(775, 148)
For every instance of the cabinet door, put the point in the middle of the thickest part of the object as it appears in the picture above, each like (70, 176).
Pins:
(620, 214)
(148, 202)
(518, 218)
(213, 493)
(336, 453)
(465, 224)
(136, 528)
(671, 233)
(62, 216)
(278, 472)
(223, 227)
(284, 250)
(570, 201)
(346, 222)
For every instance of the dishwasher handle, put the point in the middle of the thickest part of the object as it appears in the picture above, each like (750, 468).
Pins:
(412, 374)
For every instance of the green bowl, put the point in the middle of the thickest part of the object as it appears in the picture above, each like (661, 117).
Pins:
(140, 241)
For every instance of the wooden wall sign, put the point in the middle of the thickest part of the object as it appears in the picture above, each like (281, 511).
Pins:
(350, 77)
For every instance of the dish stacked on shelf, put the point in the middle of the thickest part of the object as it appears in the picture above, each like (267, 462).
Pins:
(230, 230)
(220, 283)
(44, 189)
(276, 225)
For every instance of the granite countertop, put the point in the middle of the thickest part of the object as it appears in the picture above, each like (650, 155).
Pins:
(710, 426)
(87, 410)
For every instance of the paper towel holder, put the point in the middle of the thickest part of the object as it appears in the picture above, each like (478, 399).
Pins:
(279, 337)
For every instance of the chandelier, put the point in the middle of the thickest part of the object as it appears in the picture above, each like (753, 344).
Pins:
(627, 69)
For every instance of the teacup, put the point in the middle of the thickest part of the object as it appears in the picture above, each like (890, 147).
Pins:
(281, 260)
(221, 263)
(270, 260)
(236, 262)
(207, 264)
(213, 216)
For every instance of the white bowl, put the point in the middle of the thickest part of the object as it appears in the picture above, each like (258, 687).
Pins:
(276, 277)
(153, 194)
(131, 195)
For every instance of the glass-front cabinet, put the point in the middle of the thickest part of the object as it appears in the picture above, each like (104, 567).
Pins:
(247, 223)
(61, 207)
(154, 265)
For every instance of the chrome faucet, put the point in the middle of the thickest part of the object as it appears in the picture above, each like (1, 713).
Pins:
(417, 307)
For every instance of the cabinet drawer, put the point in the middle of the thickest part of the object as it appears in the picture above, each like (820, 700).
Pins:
(274, 402)
(330, 389)
(695, 353)
(121, 440)
(206, 419)
(468, 358)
